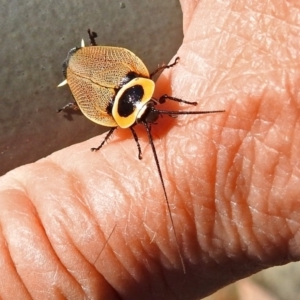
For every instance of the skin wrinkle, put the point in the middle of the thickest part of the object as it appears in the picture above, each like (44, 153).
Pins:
(164, 258)
(276, 10)
(275, 159)
(269, 242)
(277, 237)
(66, 237)
(67, 219)
(219, 226)
(215, 241)
(24, 282)
(149, 281)
(260, 229)
(77, 190)
(177, 164)
(149, 247)
(285, 231)
(73, 273)
(259, 48)
(134, 273)
(119, 265)
(190, 250)
(205, 83)
(8, 242)
(78, 248)
(275, 179)
(215, 225)
(224, 211)
(293, 226)
(144, 246)
(240, 228)
(184, 216)
(203, 232)
(17, 278)
(202, 183)
(266, 249)
(163, 279)
(117, 261)
(278, 178)
(98, 226)
(95, 210)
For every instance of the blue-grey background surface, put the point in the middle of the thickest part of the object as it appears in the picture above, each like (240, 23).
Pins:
(36, 36)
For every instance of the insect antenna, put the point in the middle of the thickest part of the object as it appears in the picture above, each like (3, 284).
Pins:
(148, 129)
(176, 112)
(164, 97)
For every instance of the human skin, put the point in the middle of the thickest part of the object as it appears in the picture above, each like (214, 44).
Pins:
(82, 224)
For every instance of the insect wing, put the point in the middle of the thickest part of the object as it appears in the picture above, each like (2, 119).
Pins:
(92, 99)
(94, 74)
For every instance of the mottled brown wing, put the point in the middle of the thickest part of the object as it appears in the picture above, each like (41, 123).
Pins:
(92, 100)
(93, 74)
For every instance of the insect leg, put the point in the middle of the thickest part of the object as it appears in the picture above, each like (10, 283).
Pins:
(137, 142)
(148, 128)
(164, 67)
(92, 36)
(105, 139)
(71, 105)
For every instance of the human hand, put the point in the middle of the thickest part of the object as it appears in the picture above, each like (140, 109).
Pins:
(79, 224)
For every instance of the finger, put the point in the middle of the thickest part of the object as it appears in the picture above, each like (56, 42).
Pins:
(255, 79)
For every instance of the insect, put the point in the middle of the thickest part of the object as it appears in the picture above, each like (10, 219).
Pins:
(112, 87)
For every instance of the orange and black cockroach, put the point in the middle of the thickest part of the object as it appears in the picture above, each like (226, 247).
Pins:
(112, 87)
